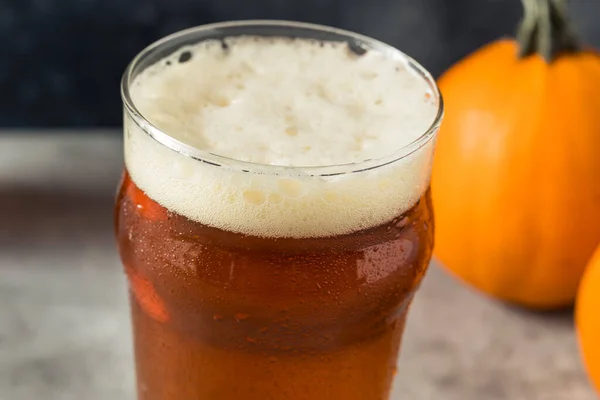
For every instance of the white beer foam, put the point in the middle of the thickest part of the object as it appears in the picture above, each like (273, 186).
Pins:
(282, 102)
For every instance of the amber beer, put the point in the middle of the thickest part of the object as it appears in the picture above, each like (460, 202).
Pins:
(269, 257)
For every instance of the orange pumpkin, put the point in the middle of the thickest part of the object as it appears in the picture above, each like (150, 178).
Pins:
(516, 176)
(587, 318)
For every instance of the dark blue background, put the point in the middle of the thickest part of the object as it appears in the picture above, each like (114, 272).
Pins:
(61, 60)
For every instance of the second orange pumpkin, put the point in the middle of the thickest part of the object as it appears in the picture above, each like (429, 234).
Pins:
(588, 319)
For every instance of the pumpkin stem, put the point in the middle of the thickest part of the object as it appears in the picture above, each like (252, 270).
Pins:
(546, 30)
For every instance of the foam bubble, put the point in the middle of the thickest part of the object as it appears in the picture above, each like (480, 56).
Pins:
(285, 102)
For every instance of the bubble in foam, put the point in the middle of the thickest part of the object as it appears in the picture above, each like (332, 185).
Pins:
(286, 102)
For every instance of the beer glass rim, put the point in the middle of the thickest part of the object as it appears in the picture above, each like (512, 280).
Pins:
(227, 29)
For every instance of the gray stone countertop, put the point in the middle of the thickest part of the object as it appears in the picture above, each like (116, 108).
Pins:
(64, 322)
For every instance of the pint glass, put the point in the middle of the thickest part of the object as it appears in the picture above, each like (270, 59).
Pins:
(274, 217)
